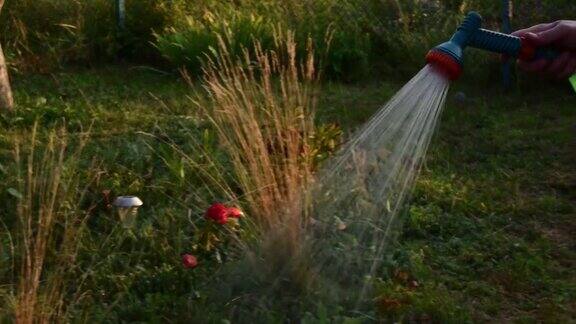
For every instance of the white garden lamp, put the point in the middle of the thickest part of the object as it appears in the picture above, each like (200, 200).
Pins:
(128, 209)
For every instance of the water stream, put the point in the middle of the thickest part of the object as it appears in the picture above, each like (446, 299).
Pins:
(359, 196)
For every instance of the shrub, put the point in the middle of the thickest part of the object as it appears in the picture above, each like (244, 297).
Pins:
(367, 36)
(188, 45)
(346, 56)
(44, 34)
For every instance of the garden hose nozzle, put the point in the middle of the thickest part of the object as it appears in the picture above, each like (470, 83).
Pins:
(448, 56)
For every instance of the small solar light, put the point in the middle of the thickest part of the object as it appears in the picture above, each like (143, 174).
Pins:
(128, 209)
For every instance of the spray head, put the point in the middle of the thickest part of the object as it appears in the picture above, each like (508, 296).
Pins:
(448, 56)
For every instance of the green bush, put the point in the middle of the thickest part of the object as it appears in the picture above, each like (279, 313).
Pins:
(368, 37)
(188, 45)
(43, 34)
(343, 48)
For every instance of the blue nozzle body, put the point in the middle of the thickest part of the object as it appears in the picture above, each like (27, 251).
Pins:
(469, 33)
(461, 38)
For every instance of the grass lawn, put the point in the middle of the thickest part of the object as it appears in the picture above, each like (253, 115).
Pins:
(489, 236)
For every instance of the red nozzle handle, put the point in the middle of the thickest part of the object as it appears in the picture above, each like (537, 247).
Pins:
(530, 52)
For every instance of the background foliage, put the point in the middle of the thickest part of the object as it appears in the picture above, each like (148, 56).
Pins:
(368, 37)
(489, 235)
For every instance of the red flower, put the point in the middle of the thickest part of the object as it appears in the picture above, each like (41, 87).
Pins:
(235, 212)
(217, 213)
(189, 261)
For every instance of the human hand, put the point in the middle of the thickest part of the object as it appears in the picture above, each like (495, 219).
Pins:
(560, 35)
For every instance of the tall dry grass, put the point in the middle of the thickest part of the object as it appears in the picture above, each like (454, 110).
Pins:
(262, 107)
(50, 220)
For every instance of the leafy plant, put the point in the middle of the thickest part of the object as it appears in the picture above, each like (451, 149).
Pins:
(187, 46)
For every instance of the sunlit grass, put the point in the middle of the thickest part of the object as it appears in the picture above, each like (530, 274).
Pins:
(47, 213)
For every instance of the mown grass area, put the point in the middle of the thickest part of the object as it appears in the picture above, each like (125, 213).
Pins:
(493, 210)
(488, 235)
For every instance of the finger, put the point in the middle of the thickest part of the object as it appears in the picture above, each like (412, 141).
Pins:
(569, 69)
(558, 65)
(531, 38)
(534, 66)
(551, 35)
(535, 29)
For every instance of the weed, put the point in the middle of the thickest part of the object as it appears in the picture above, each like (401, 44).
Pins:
(48, 218)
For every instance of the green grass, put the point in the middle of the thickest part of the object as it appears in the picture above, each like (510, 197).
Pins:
(489, 235)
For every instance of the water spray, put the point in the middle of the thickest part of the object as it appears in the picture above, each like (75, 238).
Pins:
(366, 185)
(448, 56)
(357, 201)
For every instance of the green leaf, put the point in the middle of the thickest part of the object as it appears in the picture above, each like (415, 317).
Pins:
(15, 193)
(573, 81)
